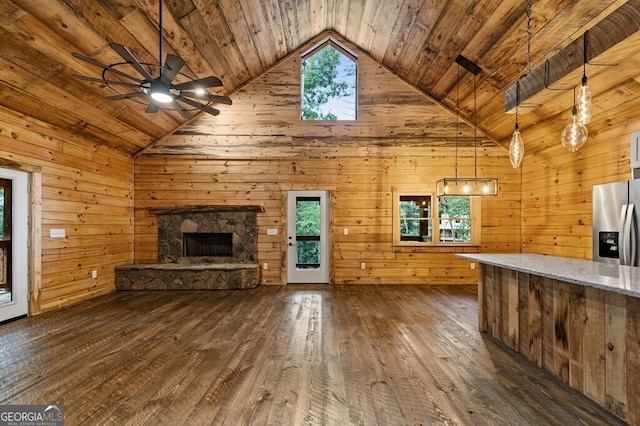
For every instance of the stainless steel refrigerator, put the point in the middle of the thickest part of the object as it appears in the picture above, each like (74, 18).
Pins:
(615, 222)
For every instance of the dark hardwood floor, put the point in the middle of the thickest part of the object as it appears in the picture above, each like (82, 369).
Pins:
(295, 355)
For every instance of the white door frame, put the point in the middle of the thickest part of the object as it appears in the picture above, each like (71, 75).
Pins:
(19, 304)
(312, 276)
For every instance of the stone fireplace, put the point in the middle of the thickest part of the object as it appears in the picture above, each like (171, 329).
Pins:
(199, 247)
(210, 228)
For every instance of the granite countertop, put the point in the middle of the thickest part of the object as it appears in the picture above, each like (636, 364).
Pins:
(605, 276)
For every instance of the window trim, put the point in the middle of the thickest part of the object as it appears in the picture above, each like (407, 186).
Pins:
(330, 41)
(475, 216)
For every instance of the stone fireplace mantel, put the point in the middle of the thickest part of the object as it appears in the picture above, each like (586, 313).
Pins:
(203, 209)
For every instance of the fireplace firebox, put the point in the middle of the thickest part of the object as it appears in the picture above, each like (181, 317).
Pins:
(207, 244)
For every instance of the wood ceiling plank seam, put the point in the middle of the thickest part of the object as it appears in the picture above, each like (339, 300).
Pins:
(64, 22)
(289, 20)
(306, 24)
(369, 20)
(405, 21)
(273, 11)
(318, 10)
(258, 30)
(472, 21)
(330, 14)
(355, 20)
(389, 12)
(237, 23)
(443, 41)
(341, 15)
(211, 50)
(222, 34)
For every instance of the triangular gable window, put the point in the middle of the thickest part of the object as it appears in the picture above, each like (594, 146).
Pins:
(329, 83)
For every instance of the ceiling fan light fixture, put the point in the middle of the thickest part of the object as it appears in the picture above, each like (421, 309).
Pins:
(160, 92)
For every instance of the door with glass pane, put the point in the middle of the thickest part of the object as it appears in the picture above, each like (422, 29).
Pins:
(13, 244)
(308, 237)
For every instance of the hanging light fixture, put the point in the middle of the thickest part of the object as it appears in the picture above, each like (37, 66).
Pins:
(575, 134)
(467, 187)
(584, 94)
(516, 147)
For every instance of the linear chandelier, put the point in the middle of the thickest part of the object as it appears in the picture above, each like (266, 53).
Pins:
(475, 186)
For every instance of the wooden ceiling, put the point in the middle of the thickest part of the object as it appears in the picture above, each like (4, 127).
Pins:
(238, 40)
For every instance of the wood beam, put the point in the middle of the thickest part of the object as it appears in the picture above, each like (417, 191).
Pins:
(611, 31)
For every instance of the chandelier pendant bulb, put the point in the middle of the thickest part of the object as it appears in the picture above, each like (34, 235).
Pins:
(584, 94)
(575, 134)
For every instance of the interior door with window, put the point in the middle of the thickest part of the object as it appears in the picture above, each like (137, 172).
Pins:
(14, 234)
(308, 237)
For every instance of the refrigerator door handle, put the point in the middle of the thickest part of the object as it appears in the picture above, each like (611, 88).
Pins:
(622, 242)
(632, 235)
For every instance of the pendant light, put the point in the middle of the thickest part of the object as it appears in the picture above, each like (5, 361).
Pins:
(584, 94)
(467, 187)
(575, 134)
(516, 147)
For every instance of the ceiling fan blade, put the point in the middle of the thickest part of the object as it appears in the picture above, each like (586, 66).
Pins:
(172, 66)
(195, 104)
(128, 57)
(107, 67)
(125, 96)
(213, 98)
(184, 113)
(152, 108)
(101, 80)
(203, 83)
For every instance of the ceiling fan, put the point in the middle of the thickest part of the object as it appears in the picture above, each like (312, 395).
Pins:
(156, 92)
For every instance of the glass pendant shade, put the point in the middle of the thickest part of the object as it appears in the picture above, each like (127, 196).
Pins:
(516, 148)
(574, 135)
(584, 103)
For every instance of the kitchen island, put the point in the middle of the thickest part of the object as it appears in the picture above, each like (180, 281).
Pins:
(577, 319)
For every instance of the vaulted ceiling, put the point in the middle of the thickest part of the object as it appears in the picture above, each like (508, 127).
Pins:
(238, 40)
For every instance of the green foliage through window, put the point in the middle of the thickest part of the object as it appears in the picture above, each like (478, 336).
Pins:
(454, 214)
(328, 85)
(308, 225)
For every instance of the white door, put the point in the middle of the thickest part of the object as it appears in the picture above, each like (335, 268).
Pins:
(14, 235)
(308, 237)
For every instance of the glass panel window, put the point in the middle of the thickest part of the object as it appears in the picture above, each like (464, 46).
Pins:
(415, 218)
(329, 76)
(308, 232)
(454, 219)
(421, 219)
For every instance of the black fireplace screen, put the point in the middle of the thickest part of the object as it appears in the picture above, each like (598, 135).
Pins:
(207, 244)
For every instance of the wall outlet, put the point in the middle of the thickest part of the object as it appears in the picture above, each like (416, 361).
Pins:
(345, 231)
(363, 265)
(272, 231)
(94, 274)
(473, 265)
(265, 265)
(57, 233)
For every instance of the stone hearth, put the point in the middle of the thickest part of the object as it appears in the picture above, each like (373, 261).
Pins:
(176, 271)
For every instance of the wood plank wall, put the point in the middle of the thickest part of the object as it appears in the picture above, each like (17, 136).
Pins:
(258, 148)
(87, 191)
(361, 200)
(557, 186)
(584, 336)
